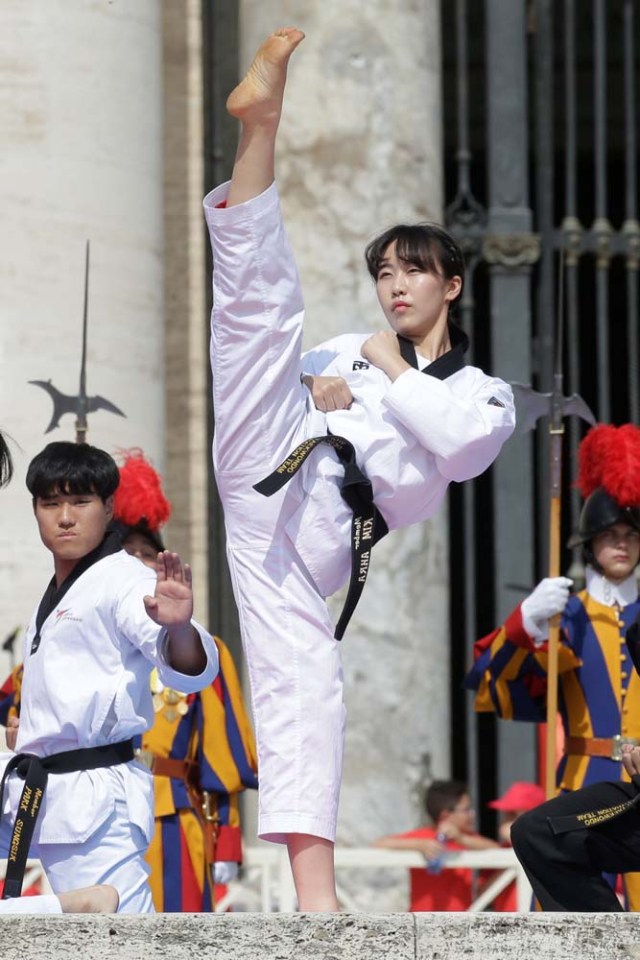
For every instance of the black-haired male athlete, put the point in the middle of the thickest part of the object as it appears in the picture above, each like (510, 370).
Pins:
(105, 620)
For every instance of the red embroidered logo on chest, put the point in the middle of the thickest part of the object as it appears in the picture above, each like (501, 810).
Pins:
(66, 615)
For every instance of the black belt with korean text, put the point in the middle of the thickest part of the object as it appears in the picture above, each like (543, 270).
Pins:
(35, 773)
(368, 526)
(367, 523)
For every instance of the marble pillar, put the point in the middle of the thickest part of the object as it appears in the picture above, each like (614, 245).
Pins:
(80, 158)
(186, 319)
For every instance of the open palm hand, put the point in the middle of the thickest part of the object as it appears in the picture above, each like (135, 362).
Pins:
(172, 603)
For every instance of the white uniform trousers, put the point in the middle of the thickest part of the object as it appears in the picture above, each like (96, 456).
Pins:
(113, 854)
(260, 416)
(44, 904)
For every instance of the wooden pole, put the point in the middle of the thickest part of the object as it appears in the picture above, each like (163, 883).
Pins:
(554, 624)
(81, 421)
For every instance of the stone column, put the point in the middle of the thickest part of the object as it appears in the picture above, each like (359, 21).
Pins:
(511, 250)
(360, 149)
(187, 322)
(80, 115)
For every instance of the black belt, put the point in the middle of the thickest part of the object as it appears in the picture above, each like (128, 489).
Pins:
(593, 818)
(35, 773)
(367, 524)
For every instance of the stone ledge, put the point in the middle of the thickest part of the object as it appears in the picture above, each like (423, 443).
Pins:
(535, 936)
(256, 936)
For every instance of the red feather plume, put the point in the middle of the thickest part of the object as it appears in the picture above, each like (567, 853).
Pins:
(139, 497)
(609, 457)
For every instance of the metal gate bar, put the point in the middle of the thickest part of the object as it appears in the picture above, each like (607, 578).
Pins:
(602, 228)
(466, 219)
(543, 218)
(572, 231)
(631, 228)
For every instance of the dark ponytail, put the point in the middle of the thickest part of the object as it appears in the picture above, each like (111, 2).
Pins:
(6, 463)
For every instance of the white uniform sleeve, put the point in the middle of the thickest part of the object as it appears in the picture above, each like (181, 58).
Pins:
(465, 433)
(185, 682)
(141, 631)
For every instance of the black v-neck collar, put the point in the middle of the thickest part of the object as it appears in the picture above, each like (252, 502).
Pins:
(445, 365)
(54, 594)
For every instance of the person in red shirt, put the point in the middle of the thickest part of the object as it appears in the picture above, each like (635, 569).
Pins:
(452, 817)
(517, 799)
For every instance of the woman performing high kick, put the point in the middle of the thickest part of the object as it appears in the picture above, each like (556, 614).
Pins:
(403, 436)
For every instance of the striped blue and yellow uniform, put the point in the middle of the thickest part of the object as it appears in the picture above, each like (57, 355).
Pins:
(598, 689)
(211, 728)
(10, 696)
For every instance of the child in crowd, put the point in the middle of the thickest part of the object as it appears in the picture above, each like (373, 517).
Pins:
(452, 827)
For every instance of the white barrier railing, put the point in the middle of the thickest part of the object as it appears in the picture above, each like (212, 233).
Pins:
(34, 876)
(266, 883)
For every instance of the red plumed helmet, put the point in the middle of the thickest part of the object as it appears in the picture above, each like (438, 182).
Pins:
(609, 457)
(609, 479)
(139, 498)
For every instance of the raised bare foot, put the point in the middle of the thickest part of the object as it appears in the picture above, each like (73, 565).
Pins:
(258, 97)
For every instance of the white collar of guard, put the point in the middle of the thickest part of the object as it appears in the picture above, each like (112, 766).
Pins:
(609, 593)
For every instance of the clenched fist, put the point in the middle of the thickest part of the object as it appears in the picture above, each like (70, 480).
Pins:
(383, 351)
(328, 393)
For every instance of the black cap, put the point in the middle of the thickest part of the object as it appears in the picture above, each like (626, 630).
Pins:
(125, 530)
(601, 511)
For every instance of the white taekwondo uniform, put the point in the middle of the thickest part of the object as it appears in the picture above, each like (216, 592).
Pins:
(47, 903)
(87, 685)
(291, 550)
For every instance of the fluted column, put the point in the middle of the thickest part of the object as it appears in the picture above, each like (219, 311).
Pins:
(81, 156)
(187, 321)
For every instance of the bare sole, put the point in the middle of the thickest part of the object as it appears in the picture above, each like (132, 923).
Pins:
(258, 97)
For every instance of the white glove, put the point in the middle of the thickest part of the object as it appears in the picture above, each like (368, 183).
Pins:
(549, 598)
(224, 871)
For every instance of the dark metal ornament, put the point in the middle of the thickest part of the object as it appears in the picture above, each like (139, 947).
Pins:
(80, 404)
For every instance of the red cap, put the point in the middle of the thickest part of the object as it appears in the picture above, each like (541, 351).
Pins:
(519, 797)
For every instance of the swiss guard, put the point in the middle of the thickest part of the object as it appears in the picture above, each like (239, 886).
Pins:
(599, 690)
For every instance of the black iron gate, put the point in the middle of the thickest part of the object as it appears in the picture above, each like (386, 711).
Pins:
(541, 157)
